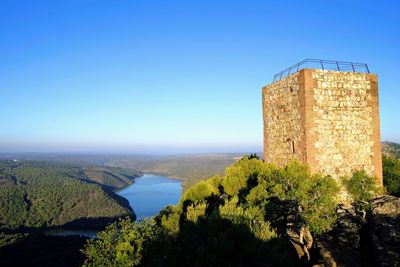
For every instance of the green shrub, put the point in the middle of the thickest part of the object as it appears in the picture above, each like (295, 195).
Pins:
(263, 230)
(195, 211)
(215, 181)
(120, 244)
(198, 192)
(362, 189)
(391, 175)
(232, 211)
(168, 219)
(292, 180)
(240, 174)
(258, 195)
(319, 204)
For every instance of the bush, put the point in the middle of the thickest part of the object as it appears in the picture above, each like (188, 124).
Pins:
(391, 175)
(288, 183)
(168, 219)
(199, 192)
(313, 193)
(120, 244)
(240, 174)
(362, 189)
(195, 211)
(319, 203)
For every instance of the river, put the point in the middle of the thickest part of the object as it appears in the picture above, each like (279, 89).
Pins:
(147, 196)
(150, 193)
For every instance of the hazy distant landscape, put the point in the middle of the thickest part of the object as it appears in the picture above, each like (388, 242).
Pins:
(391, 149)
(191, 168)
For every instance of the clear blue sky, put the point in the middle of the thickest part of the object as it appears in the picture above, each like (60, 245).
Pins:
(173, 76)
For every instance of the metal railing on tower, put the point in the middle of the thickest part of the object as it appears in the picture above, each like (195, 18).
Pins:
(324, 64)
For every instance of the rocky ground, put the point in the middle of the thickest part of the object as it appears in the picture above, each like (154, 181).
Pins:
(374, 241)
(354, 241)
(384, 234)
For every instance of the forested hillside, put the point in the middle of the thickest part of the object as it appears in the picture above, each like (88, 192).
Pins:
(246, 218)
(191, 168)
(230, 220)
(110, 177)
(36, 196)
(42, 194)
(391, 149)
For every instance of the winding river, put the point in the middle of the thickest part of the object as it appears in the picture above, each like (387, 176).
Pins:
(150, 193)
(147, 196)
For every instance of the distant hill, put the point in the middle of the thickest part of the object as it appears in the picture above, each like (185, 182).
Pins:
(391, 149)
(47, 194)
(110, 177)
(191, 168)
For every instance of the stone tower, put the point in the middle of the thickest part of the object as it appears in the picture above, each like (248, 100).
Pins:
(326, 115)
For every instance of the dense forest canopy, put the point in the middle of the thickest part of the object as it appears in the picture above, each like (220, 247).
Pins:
(42, 194)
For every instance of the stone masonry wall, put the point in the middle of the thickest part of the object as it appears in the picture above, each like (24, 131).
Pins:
(283, 131)
(342, 120)
(328, 119)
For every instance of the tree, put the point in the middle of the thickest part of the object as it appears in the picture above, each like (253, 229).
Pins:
(362, 189)
(120, 244)
(319, 203)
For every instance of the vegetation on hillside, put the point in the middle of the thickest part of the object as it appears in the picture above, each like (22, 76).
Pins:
(362, 188)
(391, 149)
(230, 220)
(40, 194)
(191, 168)
(233, 219)
(391, 175)
(110, 177)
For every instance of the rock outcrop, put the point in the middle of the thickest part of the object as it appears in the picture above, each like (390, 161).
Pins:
(353, 241)
(376, 244)
(288, 223)
(384, 222)
(301, 239)
(341, 245)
